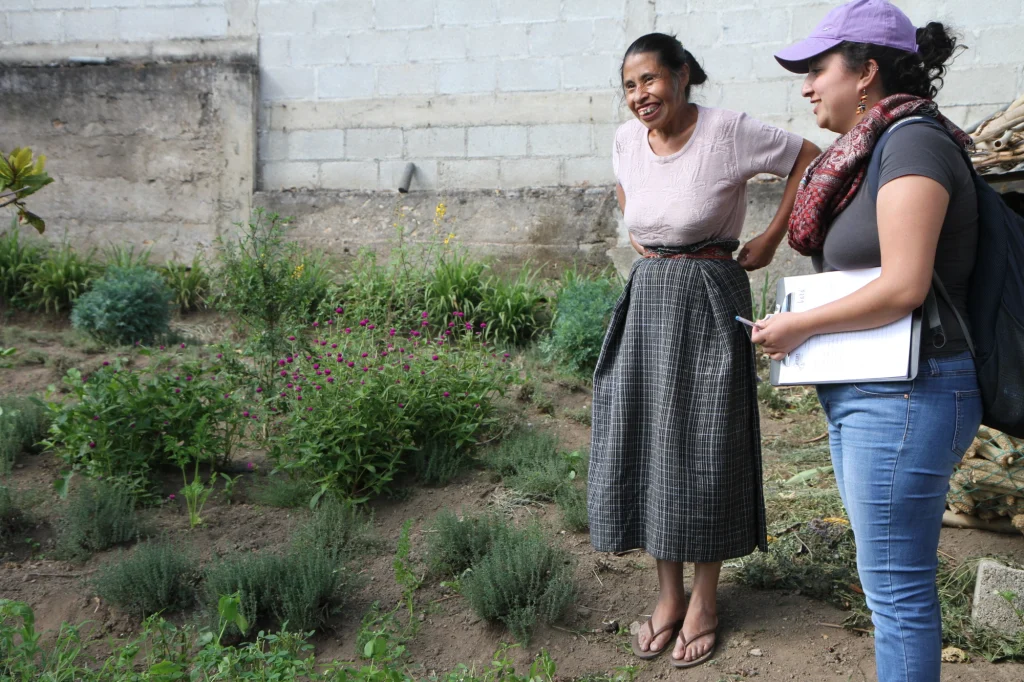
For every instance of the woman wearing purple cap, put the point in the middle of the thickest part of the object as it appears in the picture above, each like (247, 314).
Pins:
(894, 444)
(675, 464)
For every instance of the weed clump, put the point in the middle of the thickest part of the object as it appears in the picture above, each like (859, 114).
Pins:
(22, 423)
(156, 577)
(98, 516)
(572, 501)
(283, 492)
(339, 528)
(520, 581)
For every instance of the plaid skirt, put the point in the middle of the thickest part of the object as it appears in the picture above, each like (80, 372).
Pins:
(675, 463)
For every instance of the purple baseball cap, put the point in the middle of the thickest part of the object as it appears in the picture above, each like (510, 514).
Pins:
(877, 22)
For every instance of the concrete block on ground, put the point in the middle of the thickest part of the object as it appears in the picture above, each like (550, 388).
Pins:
(990, 608)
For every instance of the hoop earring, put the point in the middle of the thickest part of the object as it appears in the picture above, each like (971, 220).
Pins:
(863, 106)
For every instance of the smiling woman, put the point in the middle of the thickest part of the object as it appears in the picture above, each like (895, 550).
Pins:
(675, 462)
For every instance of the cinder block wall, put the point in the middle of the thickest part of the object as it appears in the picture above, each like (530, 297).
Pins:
(484, 93)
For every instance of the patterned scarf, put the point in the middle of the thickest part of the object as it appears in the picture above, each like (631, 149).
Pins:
(832, 179)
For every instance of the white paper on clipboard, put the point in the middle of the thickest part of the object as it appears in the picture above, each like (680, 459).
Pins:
(886, 353)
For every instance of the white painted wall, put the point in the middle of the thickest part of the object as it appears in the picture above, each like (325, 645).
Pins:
(484, 93)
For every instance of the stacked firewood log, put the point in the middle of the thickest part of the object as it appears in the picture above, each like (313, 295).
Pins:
(999, 140)
(990, 480)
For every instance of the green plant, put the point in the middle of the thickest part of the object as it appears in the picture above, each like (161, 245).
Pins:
(156, 577)
(13, 520)
(513, 311)
(59, 279)
(764, 300)
(368, 397)
(405, 576)
(98, 516)
(125, 257)
(189, 284)
(530, 462)
(126, 422)
(340, 529)
(23, 421)
(6, 353)
(580, 415)
(21, 175)
(583, 310)
(521, 580)
(230, 483)
(283, 491)
(19, 258)
(300, 588)
(455, 544)
(196, 493)
(573, 503)
(262, 280)
(128, 304)
(456, 285)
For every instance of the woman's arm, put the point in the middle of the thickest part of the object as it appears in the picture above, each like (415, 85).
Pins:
(759, 251)
(911, 210)
(620, 194)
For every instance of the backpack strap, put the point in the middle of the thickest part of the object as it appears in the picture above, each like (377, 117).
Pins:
(931, 306)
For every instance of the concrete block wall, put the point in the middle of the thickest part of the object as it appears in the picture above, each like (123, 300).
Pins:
(483, 93)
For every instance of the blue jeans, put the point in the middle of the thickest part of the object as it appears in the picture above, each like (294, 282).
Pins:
(894, 446)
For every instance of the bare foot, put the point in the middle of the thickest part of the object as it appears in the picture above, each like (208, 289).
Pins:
(665, 612)
(698, 620)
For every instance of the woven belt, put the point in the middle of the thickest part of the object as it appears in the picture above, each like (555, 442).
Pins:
(711, 252)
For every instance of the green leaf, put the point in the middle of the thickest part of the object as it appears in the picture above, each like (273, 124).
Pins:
(809, 474)
(63, 484)
(33, 220)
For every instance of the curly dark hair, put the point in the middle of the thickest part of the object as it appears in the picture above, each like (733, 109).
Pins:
(670, 53)
(914, 73)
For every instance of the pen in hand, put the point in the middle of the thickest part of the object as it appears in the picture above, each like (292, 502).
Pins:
(747, 322)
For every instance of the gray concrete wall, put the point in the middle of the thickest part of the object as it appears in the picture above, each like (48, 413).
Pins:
(156, 155)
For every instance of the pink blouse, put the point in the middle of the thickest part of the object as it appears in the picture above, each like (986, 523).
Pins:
(699, 192)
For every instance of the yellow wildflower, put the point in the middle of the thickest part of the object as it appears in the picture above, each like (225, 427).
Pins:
(441, 210)
(836, 519)
(451, 236)
(297, 273)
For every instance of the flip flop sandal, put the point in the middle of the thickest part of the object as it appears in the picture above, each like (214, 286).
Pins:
(697, 661)
(654, 653)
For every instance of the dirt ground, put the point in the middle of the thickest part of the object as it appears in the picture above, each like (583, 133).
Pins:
(764, 635)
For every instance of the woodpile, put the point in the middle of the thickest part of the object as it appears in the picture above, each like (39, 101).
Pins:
(999, 140)
(989, 482)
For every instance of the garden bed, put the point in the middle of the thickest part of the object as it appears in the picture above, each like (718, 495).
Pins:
(768, 635)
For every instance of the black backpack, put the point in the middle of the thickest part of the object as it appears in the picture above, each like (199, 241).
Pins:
(995, 297)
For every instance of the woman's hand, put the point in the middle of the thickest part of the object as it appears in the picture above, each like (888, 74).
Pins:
(779, 334)
(758, 252)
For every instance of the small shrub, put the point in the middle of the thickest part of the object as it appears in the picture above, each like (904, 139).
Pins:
(124, 306)
(125, 257)
(59, 279)
(283, 492)
(125, 423)
(531, 463)
(156, 577)
(189, 284)
(391, 294)
(340, 529)
(18, 260)
(438, 463)
(13, 519)
(456, 544)
(456, 284)
(23, 422)
(573, 503)
(301, 587)
(521, 580)
(584, 308)
(98, 516)
(581, 415)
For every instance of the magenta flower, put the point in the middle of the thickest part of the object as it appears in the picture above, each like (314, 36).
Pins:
(259, 389)
(339, 310)
(334, 345)
(291, 338)
(363, 323)
(245, 414)
(95, 417)
(220, 356)
(316, 365)
(433, 357)
(323, 343)
(289, 385)
(401, 405)
(469, 325)
(446, 394)
(365, 368)
(330, 380)
(371, 326)
(341, 359)
(309, 409)
(92, 444)
(348, 330)
(298, 397)
(170, 498)
(424, 314)
(424, 323)
(177, 390)
(483, 324)
(317, 388)
(392, 332)
(188, 378)
(405, 367)
(282, 363)
(315, 325)
(351, 363)
(226, 396)
(161, 347)
(106, 364)
(182, 345)
(327, 372)
(364, 355)
(284, 373)
(383, 353)
(250, 466)
(290, 360)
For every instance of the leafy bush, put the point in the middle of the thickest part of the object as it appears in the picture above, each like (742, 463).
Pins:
(456, 544)
(20, 176)
(391, 294)
(514, 311)
(521, 580)
(98, 516)
(124, 306)
(584, 308)
(300, 588)
(18, 260)
(23, 422)
(456, 284)
(264, 282)
(189, 284)
(368, 397)
(60, 278)
(156, 577)
(126, 422)
(339, 529)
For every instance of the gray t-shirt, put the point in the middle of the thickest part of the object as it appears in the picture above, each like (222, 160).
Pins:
(852, 240)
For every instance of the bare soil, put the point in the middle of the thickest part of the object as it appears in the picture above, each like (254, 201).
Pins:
(764, 635)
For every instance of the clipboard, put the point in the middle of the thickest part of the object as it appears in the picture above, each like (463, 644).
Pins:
(888, 353)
